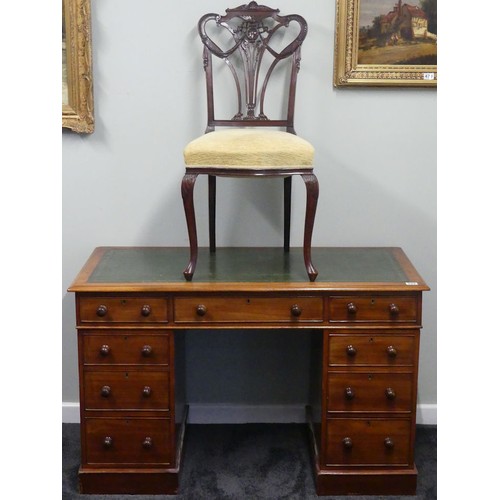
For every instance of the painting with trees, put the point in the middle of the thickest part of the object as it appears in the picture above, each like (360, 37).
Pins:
(406, 34)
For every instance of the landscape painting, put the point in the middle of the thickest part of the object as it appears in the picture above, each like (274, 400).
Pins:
(386, 43)
(397, 33)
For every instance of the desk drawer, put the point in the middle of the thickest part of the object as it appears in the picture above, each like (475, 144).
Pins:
(369, 392)
(125, 347)
(130, 389)
(367, 442)
(371, 349)
(134, 441)
(373, 309)
(122, 310)
(248, 309)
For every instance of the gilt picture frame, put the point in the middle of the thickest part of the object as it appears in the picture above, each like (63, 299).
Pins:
(77, 82)
(386, 43)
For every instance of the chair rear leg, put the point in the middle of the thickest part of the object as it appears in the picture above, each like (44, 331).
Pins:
(312, 189)
(287, 205)
(211, 211)
(187, 189)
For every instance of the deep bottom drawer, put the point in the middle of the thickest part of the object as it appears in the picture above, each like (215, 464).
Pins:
(367, 442)
(131, 441)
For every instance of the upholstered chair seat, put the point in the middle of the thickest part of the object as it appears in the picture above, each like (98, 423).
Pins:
(249, 148)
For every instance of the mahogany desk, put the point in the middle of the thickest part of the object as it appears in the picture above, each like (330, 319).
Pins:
(133, 306)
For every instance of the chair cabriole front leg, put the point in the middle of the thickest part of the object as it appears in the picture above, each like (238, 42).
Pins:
(312, 189)
(187, 189)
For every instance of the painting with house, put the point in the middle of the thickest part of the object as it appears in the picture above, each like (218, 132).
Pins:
(397, 33)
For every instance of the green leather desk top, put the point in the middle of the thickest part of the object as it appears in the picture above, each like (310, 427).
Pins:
(160, 269)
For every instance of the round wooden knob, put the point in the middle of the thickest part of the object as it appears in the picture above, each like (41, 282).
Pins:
(389, 443)
(104, 350)
(147, 443)
(394, 309)
(146, 392)
(347, 442)
(349, 393)
(101, 310)
(107, 442)
(146, 351)
(351, 350)
(146, 310)
(105, 391)
(392, 351)
(352, 308)
(201, 310)
(390, 393)
(296, 310)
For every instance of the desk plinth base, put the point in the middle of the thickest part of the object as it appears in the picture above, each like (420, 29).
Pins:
(397, 482)
(130, 481)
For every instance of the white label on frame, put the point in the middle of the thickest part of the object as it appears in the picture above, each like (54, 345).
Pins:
(428, 76)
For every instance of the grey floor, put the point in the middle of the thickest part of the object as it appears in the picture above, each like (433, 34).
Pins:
(253, 461)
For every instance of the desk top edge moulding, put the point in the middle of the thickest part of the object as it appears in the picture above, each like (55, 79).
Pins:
(232, 268)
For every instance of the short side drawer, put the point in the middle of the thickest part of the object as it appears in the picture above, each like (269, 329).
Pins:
(125, 347)
(369, 392)
(248, 309)
(131, 441)
(371, 349)
(127, 389)
(122, 310)
(373, 309)
(367, 442)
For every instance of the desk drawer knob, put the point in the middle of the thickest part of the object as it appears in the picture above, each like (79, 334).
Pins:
(394, 309)
(105, 391)
(101, 310)
(296, 310)
(347, 442)
(392, 351)
(349, 393)
(390, 393)
(104, 350)
(146, 351)
(147, 444)
(146, 310)
(146, 392)
(107, 442)
(351, 350)
(389, 443)
(352, 308)
(201, 310)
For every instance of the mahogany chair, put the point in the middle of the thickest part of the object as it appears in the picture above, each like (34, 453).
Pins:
(257, 46)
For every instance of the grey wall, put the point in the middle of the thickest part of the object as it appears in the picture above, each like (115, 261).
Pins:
(375, 160)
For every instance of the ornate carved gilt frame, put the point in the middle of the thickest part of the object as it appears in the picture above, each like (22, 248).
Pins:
(78, 112)
(349, 73)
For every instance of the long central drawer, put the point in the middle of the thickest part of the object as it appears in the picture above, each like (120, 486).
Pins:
(245, 309)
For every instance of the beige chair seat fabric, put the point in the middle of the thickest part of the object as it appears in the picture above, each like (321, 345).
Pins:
(249, 149)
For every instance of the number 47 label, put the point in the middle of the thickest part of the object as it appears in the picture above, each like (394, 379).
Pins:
(429, 76)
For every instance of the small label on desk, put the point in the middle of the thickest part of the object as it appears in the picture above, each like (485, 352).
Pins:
(411, 283)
